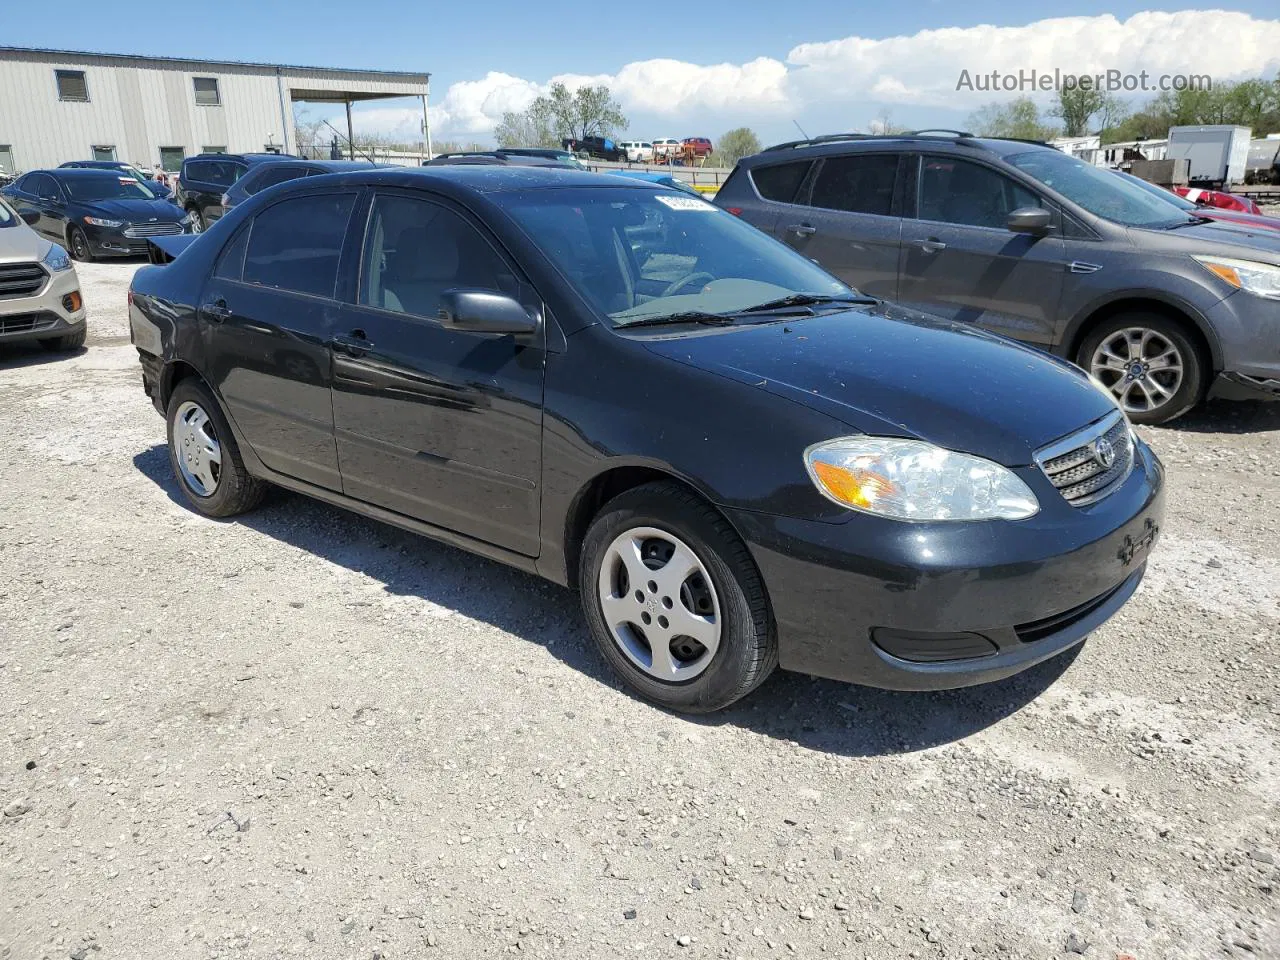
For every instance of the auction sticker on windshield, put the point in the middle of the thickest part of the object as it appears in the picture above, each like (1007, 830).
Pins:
(683, 203)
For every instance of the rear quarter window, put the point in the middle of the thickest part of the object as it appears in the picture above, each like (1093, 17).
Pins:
(781, 181)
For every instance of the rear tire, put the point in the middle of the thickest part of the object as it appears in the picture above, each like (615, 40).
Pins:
(1148, 362)
(203, 453)
(65, 344)
(722, 599)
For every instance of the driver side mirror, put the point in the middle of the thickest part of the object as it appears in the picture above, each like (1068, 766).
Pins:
(1033, 220)
(484, 311)
(30, 217)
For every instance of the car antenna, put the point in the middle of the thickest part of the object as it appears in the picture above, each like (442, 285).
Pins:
(800, 128)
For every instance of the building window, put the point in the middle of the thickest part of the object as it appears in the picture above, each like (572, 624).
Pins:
(6, 158)
(206, 91)
(171, 158)
(103, 153)
(213, 149)
(72, 85)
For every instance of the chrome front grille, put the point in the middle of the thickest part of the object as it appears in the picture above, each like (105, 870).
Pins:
(20, 280)
(1090, 463)
(136, 230)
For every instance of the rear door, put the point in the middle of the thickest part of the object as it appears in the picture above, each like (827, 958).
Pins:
(433, 423)
(852, 225)
(267, 314)
(960, 261)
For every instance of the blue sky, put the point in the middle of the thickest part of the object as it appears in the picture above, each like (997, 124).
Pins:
(774, 63)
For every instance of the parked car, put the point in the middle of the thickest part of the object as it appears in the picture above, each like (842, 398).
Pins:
(601, 148)
(1220, 199)
(738, 460)
(157, 187)
(39, 291)
(95, 213)
(205, 177)
(1251, 221)
(637, 151)
(665, 147)
(1161, 305)
(505, 158)
(562, 157)
(264, 175)
(698, 147)
(663, 179)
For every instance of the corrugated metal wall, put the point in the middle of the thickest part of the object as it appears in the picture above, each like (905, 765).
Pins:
(139, 106)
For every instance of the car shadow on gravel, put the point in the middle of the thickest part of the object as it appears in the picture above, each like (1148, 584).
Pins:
(14, 356)
(1225, 416)
(817, 714)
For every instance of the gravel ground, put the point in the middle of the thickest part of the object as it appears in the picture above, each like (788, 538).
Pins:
(307, 734)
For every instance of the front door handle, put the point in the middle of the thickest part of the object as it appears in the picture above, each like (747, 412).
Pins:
(354, 344)
(932, 245)
(803, 229)
(216, 310)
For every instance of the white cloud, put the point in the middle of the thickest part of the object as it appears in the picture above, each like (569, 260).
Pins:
(916, 70)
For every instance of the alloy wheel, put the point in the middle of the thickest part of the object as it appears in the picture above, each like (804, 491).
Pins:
(1142, 368)
(197, 448)
(659, 604)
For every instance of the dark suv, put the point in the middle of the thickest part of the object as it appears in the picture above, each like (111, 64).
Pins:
(1162, 306)
(206, 177)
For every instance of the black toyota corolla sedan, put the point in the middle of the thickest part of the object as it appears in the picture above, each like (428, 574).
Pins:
(737, 460)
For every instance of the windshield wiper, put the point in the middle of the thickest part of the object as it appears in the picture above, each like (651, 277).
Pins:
(684, 316)
(1193, 222)
(803, 300)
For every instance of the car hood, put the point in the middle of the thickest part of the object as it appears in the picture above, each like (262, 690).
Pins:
(1210, 238)
(888, 371)
(18, 242)
(133, 211)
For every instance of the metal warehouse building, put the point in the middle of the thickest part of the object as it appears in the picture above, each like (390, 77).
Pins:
(58, 105)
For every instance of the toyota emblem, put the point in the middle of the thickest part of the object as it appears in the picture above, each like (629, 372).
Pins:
(1104, 452)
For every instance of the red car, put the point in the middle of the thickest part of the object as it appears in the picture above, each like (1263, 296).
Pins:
(699, 146)
(1257, 220)
(1218, 199)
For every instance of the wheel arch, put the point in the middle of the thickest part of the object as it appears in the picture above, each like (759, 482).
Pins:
(173, 373)
(1179, 312)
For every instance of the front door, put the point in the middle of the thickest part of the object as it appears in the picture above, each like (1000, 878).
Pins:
(435, 424)
(267, 315)
(851, 227)
(960, 261)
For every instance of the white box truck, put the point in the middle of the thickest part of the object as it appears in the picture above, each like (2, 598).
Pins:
(1219, 153)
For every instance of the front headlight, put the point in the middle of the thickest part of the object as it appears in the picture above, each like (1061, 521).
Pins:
(99, 222)
(1260, 279)
(56, 259)
(913, 480)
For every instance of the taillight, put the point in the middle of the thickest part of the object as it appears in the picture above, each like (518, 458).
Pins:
(131, 298)
(736, 211)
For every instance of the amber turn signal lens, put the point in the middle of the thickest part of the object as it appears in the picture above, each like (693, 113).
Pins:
(858, 488)
(1228, 274)
(72, 302)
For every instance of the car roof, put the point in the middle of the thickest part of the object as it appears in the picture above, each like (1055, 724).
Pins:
(257, 157)
(462, 180)
(94, 164)
(944, 141)
(335, 165)
(82, 173)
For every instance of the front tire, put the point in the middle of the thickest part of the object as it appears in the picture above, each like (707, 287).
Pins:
(1148, 362)
(674, 602)
(78, 245)
(204, 455)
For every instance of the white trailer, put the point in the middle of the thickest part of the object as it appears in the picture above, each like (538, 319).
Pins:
(1219, 153)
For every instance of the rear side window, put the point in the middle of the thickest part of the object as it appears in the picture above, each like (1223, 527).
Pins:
(969, 194)
(273, 175)
(781, 181)
(295, 244)
(859, 183)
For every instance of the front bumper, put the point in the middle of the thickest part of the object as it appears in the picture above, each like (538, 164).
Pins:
(115, 242)
(46, 314)
(1248, 332)
(934, 606)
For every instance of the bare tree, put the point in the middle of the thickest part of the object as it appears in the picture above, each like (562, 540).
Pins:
(1018, 119)
(587, 112)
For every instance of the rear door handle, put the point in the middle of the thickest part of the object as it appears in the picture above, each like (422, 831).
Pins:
(803, 229)
(354, 344)
(216, 310)
(932, 245)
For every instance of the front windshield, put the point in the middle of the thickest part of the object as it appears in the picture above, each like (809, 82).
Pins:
(639, 254)
(1180, 202)
(119, 187)
(1099, 191)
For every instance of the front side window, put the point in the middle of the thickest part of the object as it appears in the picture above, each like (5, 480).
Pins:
(72, 85)
(635, 254)
(206, 89)
(781, 181)
(415, 250)
(296, 244)
(1099, 191)
(966, 193)
(859, 183)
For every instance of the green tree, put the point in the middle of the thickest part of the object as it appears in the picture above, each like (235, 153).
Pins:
(1019, 119)
(737, 143)
(534, 127)
(1075, 107)
(586, 112)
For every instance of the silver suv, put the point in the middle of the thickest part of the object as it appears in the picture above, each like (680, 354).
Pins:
(1162, 306)
(39, 291)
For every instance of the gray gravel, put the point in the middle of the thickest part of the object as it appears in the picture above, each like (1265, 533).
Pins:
(307, 734)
